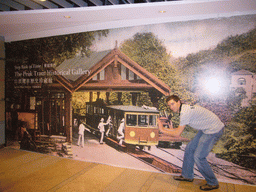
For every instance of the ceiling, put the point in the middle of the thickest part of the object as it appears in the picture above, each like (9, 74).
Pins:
(28, 19)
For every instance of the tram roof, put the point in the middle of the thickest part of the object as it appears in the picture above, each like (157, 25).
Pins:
(131, 108)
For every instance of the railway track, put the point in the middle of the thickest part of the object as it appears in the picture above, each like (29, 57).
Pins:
(230, 171)
(226, 170)
(154, 161)
(150, 159)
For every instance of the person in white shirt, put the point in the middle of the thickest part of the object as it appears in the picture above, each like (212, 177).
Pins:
(81, 130)
(110, 125)
(210, 129)
(101, 127)
(121, 132)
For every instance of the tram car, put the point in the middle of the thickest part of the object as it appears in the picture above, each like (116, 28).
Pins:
(140, 123)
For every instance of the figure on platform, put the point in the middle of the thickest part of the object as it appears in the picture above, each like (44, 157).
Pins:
(121, 132)
(81, 130)
(26, 141)
(101, 127)
(110, 125)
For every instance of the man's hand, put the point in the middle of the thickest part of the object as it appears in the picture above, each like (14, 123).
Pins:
(170, 131)
(160, 125)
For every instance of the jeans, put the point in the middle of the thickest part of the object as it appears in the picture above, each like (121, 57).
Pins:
(196, 152)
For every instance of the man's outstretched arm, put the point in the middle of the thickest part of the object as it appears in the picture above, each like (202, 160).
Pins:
(171, 131)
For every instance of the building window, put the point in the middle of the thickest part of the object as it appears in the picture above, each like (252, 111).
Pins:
(123, 72)
(99, 76)
(32, 103)
(127, 74)
(241, 81)
(102, 75)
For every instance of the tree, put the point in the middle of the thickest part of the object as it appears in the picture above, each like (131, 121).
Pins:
(150, 53)
(44, 51)
(79, 100)
(240, 138)
(234, 45)
(51, 49)
(235, 99)
(246, 61)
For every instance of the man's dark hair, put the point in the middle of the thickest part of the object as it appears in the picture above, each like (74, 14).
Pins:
(172, 97)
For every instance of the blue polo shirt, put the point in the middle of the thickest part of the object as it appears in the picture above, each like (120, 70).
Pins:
(200, 118)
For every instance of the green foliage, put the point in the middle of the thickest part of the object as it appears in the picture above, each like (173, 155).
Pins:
(240, 138)
(51, 49)
(234, 45)
(247, 61)
(126, 98)
(144, 99)
(239, 50)
(45, 50)
(247, 116)
(149, 52)
(235, 99)
(79, 100)
(238, 144)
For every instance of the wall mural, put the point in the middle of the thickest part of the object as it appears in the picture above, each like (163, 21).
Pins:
(96, 96)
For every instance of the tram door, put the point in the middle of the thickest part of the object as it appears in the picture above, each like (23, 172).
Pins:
(52, 120)
(117, 116)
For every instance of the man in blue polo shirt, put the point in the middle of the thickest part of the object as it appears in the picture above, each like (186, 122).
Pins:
(210, 129)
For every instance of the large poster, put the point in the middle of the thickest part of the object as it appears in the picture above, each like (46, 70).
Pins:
(96, 96)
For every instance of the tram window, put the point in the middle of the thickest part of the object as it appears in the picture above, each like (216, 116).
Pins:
(143, 120)
(131, 120)
(152, 120)
(89, 107)
(97, 110)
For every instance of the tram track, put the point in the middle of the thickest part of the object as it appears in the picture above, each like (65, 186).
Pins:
(147, 158)
(230, 171)
(154, 161)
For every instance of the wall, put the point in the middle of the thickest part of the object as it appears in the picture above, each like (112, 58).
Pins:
(2, 92)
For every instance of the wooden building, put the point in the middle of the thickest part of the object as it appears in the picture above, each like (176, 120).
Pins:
(106, 71)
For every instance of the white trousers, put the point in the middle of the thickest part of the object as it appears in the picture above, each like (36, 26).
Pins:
(80, 140)
(101, 137)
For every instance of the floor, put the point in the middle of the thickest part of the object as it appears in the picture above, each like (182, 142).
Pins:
(29, 171)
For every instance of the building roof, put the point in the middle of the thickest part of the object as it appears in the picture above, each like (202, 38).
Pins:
(99, 61)
(243, 72)
(81, 62)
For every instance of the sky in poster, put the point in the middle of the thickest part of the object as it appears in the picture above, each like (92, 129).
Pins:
(182, 38)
